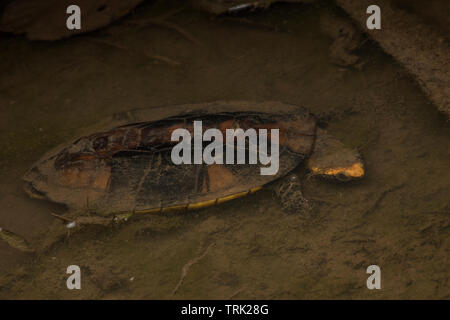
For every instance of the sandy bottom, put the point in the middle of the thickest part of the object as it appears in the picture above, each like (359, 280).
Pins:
(397, 217)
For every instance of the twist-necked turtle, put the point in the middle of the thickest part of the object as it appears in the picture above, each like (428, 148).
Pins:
(127, 169)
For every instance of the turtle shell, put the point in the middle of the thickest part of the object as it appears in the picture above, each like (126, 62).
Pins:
(128, 167)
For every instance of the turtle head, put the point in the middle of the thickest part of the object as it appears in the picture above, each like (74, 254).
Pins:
(332, 159)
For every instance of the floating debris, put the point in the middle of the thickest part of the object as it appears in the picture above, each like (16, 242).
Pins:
(15, 241)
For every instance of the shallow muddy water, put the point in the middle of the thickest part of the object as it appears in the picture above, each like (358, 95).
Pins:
(397, 217)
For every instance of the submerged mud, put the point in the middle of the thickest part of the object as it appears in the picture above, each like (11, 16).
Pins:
(422, 49)
(397, 217)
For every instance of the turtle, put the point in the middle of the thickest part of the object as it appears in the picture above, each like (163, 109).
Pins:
(125, 169)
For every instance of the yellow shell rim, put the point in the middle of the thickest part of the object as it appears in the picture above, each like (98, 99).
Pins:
(191, 206)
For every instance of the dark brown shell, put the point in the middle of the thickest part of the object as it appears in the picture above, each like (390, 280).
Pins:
(128, 167)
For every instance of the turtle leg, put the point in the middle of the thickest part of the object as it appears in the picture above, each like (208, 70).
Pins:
(58, 231)
(55, 233)
(71, 224)
(289, 192)
(86, 220)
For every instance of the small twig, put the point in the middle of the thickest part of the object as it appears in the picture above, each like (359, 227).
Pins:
(62, 218)
(187, 266)
(237, 292)
(110, 43)
(168, 25)
(164, 59)
(251, 23)
(155, 57)
(381, 197)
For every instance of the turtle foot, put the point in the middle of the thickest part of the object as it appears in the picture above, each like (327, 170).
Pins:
(289, 191)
